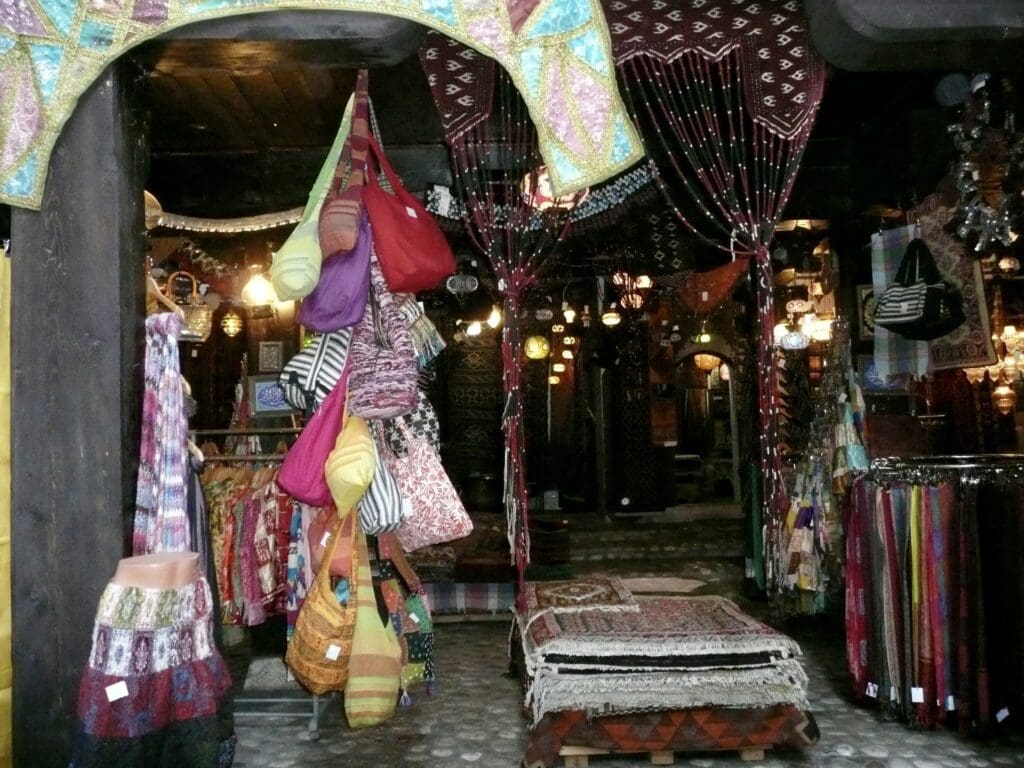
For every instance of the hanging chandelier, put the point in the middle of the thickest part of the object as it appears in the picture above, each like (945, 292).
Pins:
(231, 323)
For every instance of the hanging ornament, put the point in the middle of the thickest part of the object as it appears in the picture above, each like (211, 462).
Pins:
(231, 323)
(706, 362)
(536, 347)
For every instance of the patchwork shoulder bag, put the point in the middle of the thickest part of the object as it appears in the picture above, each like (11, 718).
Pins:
(383, 382)
(309, 377)
(920, 304)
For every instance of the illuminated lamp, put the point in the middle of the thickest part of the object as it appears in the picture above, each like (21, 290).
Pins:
(537, 347)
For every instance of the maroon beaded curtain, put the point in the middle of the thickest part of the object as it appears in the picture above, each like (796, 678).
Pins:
(725, 95)
(496, 163)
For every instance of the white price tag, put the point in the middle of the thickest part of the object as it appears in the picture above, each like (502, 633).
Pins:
(872, 690)
(414, 617)
(917, 695)
(333, 652)
(117, 691)
(411, 211)
(893, 695)
(325, 538)
(950, 703)
(1002, 714)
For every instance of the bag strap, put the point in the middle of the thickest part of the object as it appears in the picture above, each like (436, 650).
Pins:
(390, 548)
(376, 153)
(323, 573)
(354, 153)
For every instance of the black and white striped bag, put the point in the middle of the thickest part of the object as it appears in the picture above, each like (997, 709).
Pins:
(309, 377)
(382, 507)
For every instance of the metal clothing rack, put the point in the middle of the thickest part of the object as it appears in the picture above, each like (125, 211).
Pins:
(258, 706)
(972, 467)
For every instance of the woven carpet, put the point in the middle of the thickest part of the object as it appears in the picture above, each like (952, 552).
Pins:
(582, 594)
(702, 729)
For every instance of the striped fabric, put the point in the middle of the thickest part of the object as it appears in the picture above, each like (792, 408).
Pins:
(316, 369)
(382, 508)
(375, 666)
(449, 598)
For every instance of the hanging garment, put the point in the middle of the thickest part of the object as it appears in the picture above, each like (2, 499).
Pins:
(161, 517)
(154, 682)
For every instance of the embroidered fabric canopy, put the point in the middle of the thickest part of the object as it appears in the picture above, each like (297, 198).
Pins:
(51, 50)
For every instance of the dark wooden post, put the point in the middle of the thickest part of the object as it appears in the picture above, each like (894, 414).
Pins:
(77, 372)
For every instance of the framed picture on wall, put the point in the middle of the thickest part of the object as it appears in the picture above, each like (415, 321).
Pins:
(873, 384)
(865, 312)
(271, 356)
(266, 397)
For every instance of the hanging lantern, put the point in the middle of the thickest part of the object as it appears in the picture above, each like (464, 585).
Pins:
(1009, 265)
(554, 379)
(569, 341)
(975, 375)
(780, 332)
(585, 317)
(231, 323)
(475, 328)
(258, 292)
(558, 328)
(723, 372)
(568, 313)
(633, 300)
(1010, 370)
(643, 282)
(567, 354)
(795, 340)
(706, 362)
(494, 319)
(558, 367)
(620, 278)
(1004, 398)
(611, 317)
(798, 306)
(536, 347)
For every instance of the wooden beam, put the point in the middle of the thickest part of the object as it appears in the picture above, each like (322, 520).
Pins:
(77, 370)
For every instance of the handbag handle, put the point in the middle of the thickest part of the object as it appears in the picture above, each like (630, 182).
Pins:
(918, 258)
(169, 287)
(359, 130)
(376, 153)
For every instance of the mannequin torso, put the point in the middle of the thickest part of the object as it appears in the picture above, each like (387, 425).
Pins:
(164, 570)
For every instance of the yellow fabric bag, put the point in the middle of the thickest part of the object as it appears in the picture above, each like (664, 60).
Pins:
(350, 467)
(375, 668)
(295, 270)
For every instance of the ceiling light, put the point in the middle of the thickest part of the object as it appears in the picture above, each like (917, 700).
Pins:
(537, 347)
(706, 362)
(475, 328)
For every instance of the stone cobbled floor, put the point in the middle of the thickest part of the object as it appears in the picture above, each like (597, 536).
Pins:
(475, 719)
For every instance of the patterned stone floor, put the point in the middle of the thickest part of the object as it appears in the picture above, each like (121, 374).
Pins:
(475, 719)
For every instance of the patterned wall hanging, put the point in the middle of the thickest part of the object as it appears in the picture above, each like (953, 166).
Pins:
(725, 93)
(555, 51)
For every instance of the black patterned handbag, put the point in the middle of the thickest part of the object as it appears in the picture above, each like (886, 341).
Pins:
(422, 422)
(920, 304)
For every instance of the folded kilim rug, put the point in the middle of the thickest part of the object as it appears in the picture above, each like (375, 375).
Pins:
(583, 594)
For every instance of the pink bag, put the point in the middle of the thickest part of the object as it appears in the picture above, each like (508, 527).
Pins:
(385, 371)
(302, 471)
(437, 511)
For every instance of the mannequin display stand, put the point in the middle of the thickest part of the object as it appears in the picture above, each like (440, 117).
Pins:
(154, 682)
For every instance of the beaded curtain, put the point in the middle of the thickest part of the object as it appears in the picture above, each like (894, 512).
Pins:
(725, 93)
(52, 50)
(495, 160)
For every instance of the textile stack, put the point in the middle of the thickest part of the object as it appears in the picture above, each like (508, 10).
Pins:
(599, 664)
(934, 595)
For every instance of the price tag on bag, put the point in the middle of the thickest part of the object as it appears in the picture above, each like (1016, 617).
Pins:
(1002, 714)
(872, 690)
(411, 211)
(325, 538)
(917, 695)
(333, 652)
(950, 703)
(414, 617)
(117, 691)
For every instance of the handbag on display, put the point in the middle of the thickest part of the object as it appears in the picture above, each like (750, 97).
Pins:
(320, 648)
(340, 298)
(319, 534)
(340, 215)
(382, 507)
(920, 304)
(421, 423)
(375, 667)
(302, 471)
(438, 514)
(295, 269)
(413, 252)
(383, 382)
(350, 467)
(308, 378)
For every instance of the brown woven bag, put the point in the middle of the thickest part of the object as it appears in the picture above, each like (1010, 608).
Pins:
(321, 646)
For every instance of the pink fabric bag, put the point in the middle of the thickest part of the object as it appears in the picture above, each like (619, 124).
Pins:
(302, 471)
(437, 511)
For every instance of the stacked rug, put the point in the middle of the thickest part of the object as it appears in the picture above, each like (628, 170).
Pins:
(590, 650)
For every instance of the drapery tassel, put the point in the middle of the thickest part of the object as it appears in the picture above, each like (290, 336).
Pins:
(426, 339)
(406, 700)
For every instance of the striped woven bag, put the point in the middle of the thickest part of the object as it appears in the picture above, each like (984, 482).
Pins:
(375, 668)
(321, 646)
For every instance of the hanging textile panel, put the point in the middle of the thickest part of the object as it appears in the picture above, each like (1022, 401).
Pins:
(557, 51)
(6, 666)
(474, 410)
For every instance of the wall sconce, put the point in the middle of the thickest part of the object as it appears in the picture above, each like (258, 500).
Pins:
(258, 292)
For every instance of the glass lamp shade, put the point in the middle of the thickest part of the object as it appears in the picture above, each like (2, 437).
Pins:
(975, 375)
(231, 324)
(568, 313)
(612, 317)
(706, 362)
(1010, 370)
(475, 328)
(1004, 398)
(494, 319)
(780, 331)
(567, 354)
(558, 367)
(554, 379)
(795, 340)
(258, 292)
(643, 282)
(537, 347)
(723, 372)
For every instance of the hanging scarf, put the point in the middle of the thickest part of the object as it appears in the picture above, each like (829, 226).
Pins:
(161, 514)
